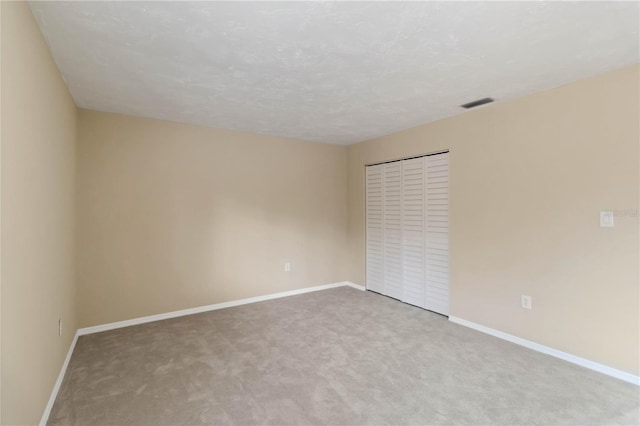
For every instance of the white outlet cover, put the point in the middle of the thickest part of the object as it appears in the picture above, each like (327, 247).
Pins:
(606, 219)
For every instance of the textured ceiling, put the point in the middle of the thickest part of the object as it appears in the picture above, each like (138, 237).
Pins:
(323, 71)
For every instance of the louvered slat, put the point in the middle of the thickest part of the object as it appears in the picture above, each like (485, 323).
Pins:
(392, 235)
(437, 233)
(375, 232)
(413, 231)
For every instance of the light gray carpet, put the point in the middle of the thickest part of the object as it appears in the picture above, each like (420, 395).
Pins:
(337, 357)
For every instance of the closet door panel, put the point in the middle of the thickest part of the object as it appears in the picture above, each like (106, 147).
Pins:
(392, 234)
(407, 221)
(374, 224)
(437, 233)
(413, 232)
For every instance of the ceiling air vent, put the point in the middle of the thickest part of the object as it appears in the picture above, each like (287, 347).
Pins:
(477, 103)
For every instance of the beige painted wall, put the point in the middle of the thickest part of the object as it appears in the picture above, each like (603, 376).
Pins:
(528, 180)
(174, 216)
(38, 177)
(0, 216)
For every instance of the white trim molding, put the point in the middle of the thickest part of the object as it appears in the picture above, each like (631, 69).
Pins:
(174, 314)
(354, 285)
(583, 362)
(214, 307)
(56, 386)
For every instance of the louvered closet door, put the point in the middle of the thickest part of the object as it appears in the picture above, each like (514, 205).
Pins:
(437, 235)
(392, 232)
(408, 231)
(413, 232)
(375, 259)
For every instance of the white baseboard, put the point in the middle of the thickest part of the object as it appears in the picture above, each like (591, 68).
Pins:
(174, 314)
(56, 386)
(142, 320)
(354, 285)
(207, 308)
(583, 362)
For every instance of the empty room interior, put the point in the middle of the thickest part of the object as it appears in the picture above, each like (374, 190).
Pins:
(320, 213)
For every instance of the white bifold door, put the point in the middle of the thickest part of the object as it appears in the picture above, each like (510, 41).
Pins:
(407, 231)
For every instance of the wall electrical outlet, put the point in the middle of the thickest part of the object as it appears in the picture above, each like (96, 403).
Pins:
(526, 302)
(287, 267)
(59, 326)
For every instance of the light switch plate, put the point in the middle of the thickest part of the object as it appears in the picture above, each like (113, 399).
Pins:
(606, 219)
